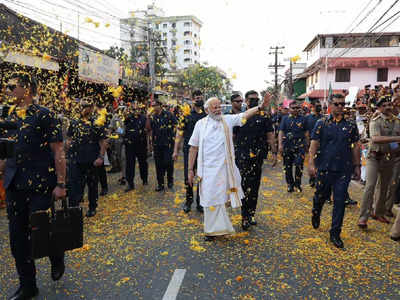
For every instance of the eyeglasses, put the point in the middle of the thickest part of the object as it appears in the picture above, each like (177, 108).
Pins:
(237, 101)
(342, 104)
(11, 87)
(254, 99)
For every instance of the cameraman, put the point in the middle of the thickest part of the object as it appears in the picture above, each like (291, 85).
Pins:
(34, 175)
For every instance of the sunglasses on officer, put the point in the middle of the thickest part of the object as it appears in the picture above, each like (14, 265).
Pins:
(11, 87)
(238, 101)
(342, 104)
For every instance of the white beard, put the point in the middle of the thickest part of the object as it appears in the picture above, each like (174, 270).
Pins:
(215, 117)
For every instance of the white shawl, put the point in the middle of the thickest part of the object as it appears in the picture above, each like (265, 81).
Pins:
(235, 191)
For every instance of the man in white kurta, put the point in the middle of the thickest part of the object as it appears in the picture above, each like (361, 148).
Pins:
(213, 171)
(220, 180)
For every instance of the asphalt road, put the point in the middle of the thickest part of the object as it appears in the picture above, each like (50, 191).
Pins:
(137, 241)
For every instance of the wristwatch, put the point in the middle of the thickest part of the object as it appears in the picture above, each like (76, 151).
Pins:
(61, 185)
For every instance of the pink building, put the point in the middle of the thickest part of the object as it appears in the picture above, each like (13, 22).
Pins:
(348, 60)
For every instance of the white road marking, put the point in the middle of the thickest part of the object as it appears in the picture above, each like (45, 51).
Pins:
(174, 285)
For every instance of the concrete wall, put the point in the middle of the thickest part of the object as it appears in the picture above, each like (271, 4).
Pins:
(358, 77)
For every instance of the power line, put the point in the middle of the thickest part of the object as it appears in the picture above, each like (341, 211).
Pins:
(370, 30)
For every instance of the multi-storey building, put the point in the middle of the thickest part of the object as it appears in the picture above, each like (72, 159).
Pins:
(178, 35)
(351, 60)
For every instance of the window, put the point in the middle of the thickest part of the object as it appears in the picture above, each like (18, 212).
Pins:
(165, 25)
(164, 43)
(164, 34)
(187, 33)
(157, 26)
(173, 43)
(195, 35)
(188, 42)
(342, 75)
(382, 74)
(195, 53)
(187, 51)
(187, 24)
(173, 25)
(187, 60)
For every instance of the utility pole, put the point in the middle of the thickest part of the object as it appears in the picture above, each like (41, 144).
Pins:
(276, 66)
(291, 79)
(151, 61)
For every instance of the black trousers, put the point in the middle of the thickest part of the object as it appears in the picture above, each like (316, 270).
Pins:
(250, 171)
(189, 189)
(102, 174)
(132, 153)
(293, 157)
(338, 183)
(164, 164)
(20, 205)
(78, 176)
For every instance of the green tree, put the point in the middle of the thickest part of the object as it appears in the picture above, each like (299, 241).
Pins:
(210, 80)
(116, 52)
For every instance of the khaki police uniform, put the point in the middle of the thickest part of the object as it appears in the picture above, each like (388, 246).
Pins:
(379, 165)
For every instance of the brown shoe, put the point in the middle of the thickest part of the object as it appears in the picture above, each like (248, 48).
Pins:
(389, 214)
(362, 224)
(383, 220)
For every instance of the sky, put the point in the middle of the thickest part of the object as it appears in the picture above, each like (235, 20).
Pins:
(236, 35)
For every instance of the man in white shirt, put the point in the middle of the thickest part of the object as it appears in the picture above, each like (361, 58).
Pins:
(219, 177)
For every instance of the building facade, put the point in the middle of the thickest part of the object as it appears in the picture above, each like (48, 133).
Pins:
(351, 60)
(178, 35)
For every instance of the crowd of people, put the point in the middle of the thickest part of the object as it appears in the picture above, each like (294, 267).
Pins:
(57, 155)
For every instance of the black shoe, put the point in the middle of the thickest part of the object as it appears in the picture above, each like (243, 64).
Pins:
(122, 181)
(337, 241)
(200, 209)
(290, 189)
(25, 293)
(298, 188)
(159, 188)
(186, 208)
(104, 192)
(396, 239)
(350, 202)
(170, 185)
(253, 221)
(209, 238)
(245, 224)
(57, 271)
(315, 219)
(129, 188)
(91, 213)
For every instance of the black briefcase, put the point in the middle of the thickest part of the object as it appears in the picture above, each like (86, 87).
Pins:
(56, 231)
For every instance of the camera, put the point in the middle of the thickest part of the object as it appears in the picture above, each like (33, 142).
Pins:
(7, 146)
(4, 110)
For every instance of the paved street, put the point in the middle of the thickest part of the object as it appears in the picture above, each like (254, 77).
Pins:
(137, 240)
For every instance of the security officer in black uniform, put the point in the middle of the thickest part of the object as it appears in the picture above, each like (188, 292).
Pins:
(185, 130)
(311, 120)
(32, 178)
(135, 141)
(161, 124)
(339, 157)
(250, 152)
(87, 146)
(293, 137)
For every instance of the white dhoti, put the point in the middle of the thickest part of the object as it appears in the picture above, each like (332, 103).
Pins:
(220, 180)
(216, 221)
